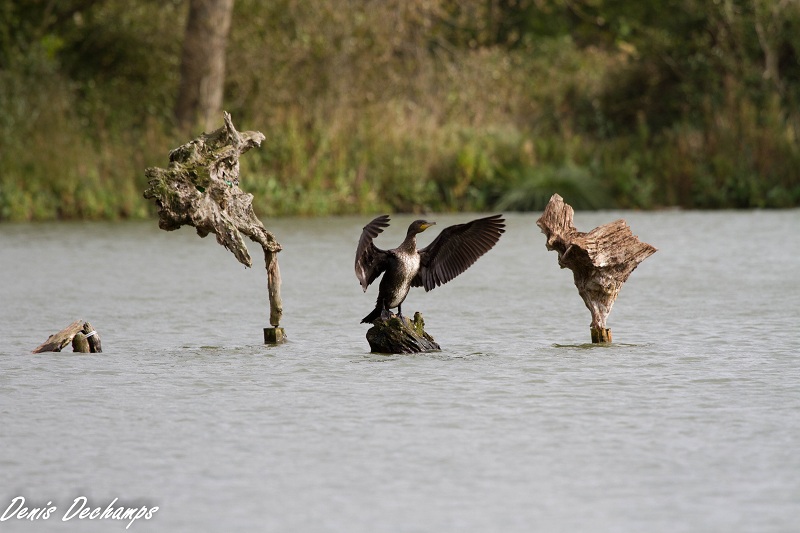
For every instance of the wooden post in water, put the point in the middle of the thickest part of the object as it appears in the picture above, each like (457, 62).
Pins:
(600, 260)
(92, 337)
(274, 334)
(200, 188)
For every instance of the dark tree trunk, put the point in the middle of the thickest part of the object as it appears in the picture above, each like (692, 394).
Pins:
(203, 63)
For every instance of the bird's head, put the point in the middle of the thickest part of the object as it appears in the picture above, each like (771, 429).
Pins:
(418, 226)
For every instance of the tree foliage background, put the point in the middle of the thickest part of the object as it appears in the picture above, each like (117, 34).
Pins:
(413, 105)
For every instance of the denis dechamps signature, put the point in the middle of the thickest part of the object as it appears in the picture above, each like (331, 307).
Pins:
(79, 510)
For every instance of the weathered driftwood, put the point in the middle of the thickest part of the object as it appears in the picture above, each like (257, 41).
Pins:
(600, 260)
(93, 336)
(81, 334)
(274, 288)
(201, 189)
(392, 335)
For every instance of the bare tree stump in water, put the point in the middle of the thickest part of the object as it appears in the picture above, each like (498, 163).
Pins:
(600, 260)
(92, 337)
(201, 189)
(81, 334)
(395, 336)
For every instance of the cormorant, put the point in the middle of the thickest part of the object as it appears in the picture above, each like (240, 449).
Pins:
(451, 253)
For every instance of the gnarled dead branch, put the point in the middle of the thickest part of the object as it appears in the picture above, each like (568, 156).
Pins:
(200, 188)
(600, 260)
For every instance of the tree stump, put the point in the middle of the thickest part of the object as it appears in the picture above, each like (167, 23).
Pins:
(600, 260)
(92, 337)
(81, 334)
(200, 188)
(394, 336)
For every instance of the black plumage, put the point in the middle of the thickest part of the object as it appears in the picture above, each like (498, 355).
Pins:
(453, 251)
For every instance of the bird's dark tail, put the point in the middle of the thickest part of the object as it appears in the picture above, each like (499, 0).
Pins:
(370, 318)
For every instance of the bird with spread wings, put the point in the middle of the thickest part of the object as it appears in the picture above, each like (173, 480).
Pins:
(452, 252)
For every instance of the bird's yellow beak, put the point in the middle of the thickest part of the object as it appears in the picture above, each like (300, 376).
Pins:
(427, 225)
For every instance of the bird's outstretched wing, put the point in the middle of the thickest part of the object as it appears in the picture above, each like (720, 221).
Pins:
(371, 260)
(456, 249)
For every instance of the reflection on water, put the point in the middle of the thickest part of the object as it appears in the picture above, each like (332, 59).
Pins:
(688, 423)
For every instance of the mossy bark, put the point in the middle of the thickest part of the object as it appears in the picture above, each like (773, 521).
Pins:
(274, 336)
(393, 335)
(80, 343)
(200, 188)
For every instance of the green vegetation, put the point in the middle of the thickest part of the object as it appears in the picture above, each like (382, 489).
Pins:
(412, 105)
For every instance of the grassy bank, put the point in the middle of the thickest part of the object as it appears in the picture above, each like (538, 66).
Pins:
(387, 108)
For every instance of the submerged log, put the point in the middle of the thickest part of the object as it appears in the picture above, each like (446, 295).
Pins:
(600, 260)
(392, 335)
(274, 336)
(81, 334)
(201, 189)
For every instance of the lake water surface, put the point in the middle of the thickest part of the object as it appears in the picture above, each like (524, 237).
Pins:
(689, 422)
